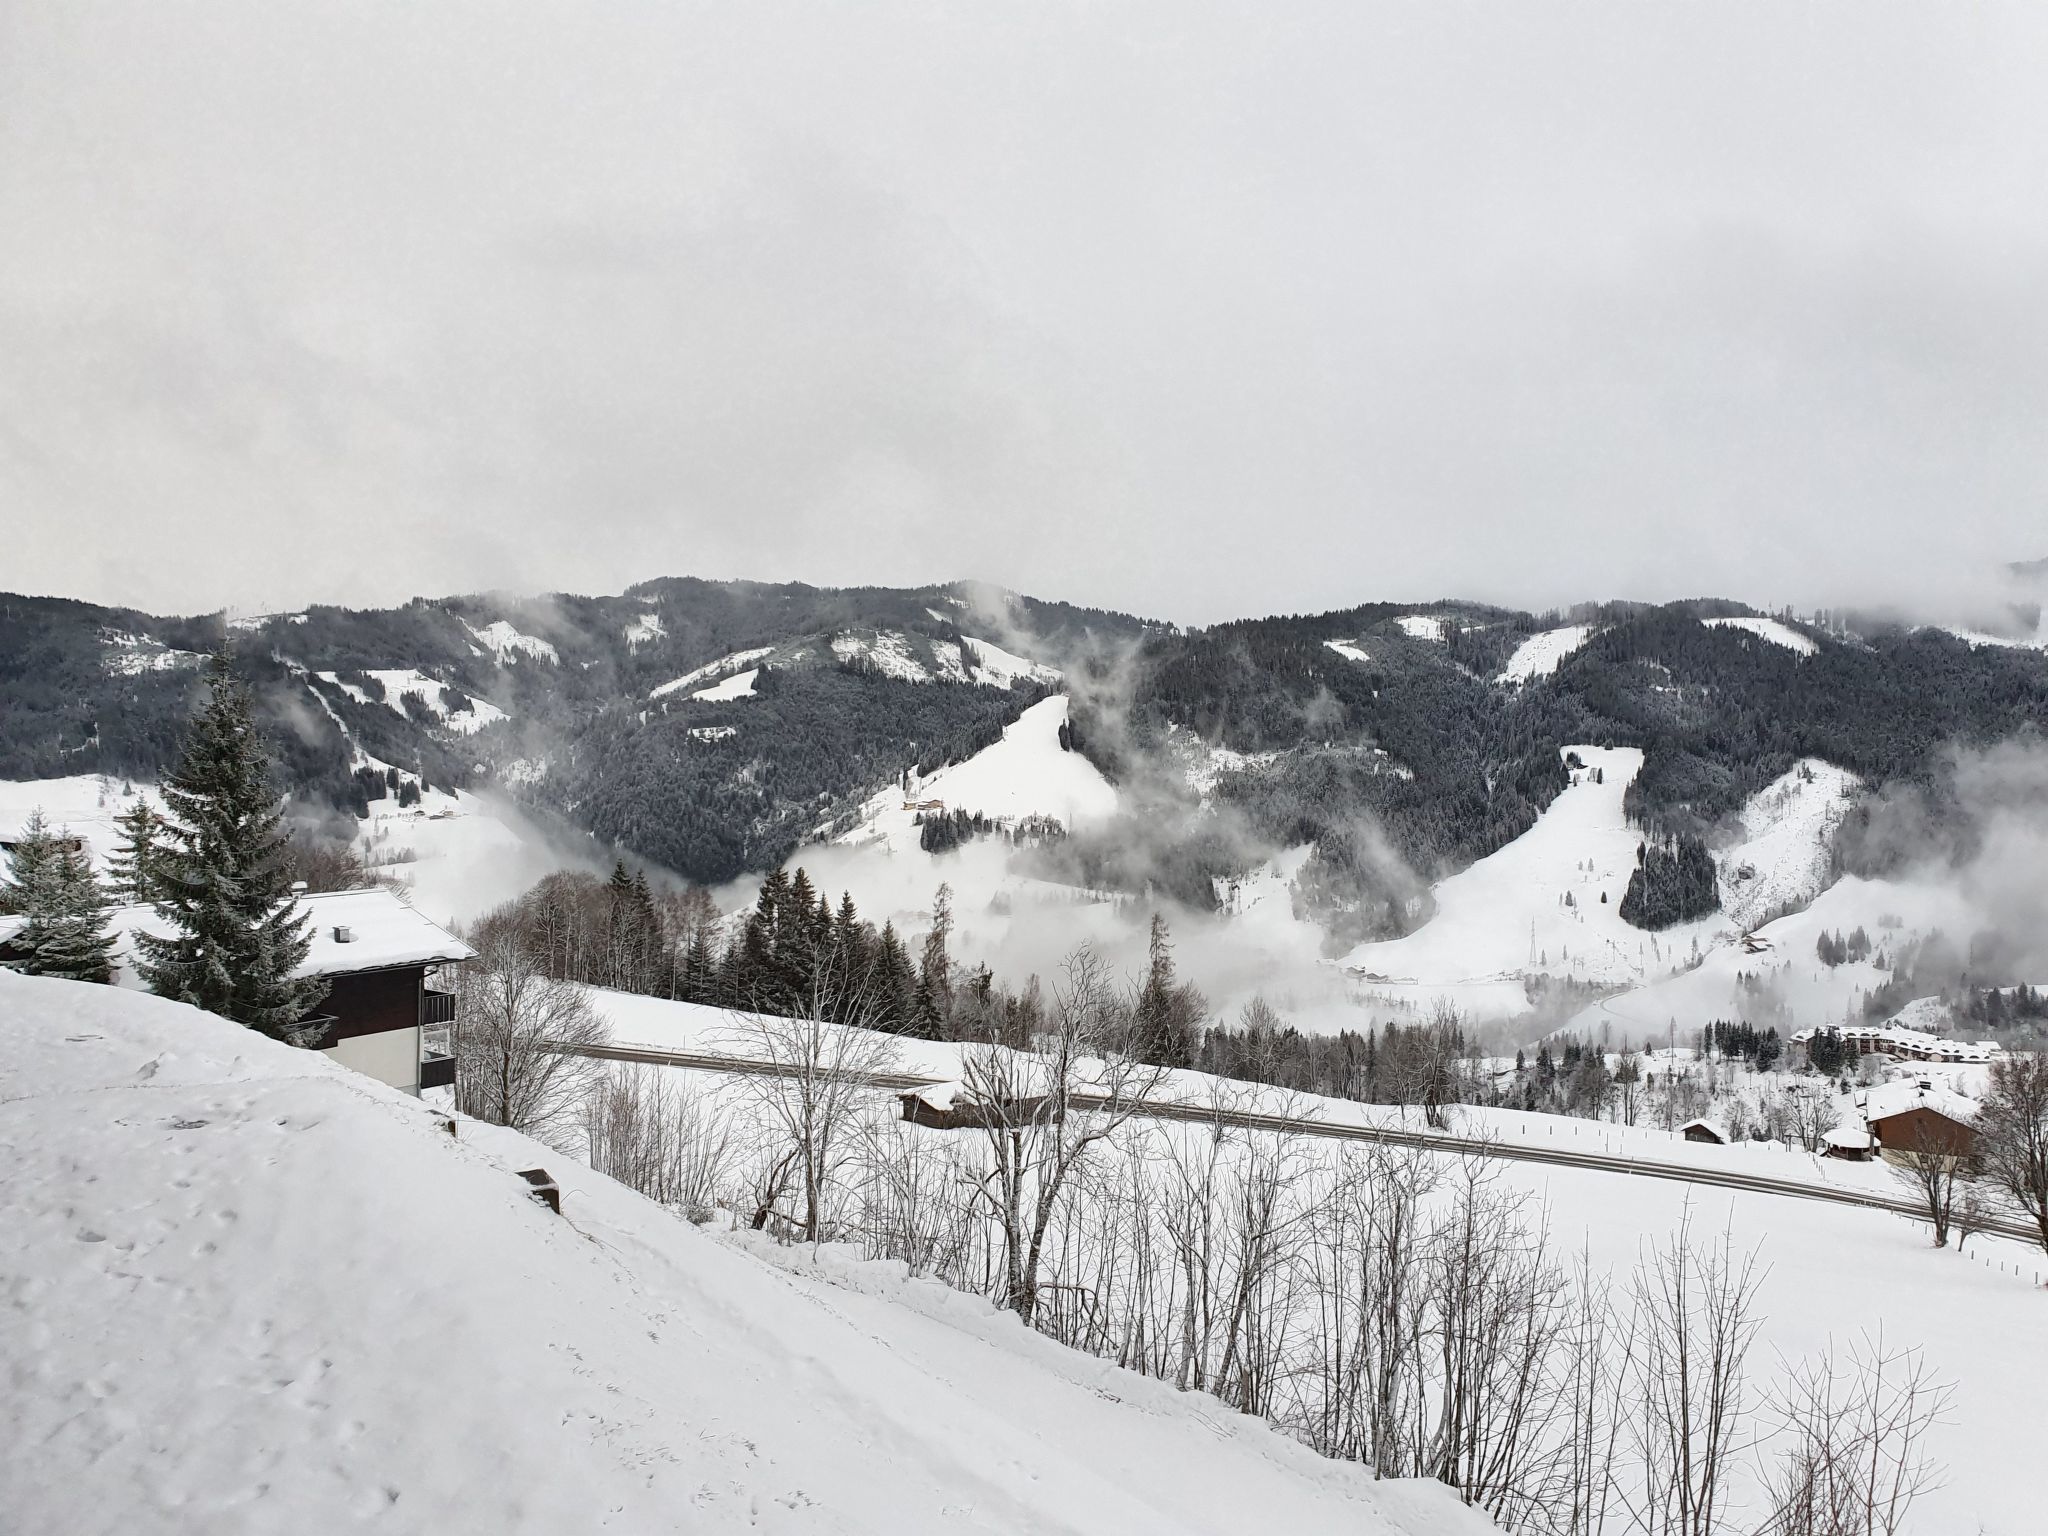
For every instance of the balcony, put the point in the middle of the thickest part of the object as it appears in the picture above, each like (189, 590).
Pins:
(437, 1072)
(436, 1007)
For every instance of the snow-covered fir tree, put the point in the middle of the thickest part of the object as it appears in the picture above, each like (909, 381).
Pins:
(52, 884)
(128, 868)
(221, 879)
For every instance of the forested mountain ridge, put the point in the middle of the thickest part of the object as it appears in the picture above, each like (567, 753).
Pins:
(712, 727)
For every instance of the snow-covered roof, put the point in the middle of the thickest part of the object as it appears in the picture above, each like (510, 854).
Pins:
(1888, 1099)
(1902, 1040)
(1849, 1138)
(383, 932)
(1720, 1131)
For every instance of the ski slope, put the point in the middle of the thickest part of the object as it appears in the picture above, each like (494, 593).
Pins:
(1505, 917)
(249, 1290)
(1772, 630)
(1542, 654)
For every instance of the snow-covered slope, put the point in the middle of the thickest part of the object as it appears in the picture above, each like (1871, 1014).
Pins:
(1540, 655)
(1025, 774)
(711, 669)
(248, 1290)
(1535, 907)
(508, 645)
(397, 682)
(1507, 916)
(87, 805)
(1776, 977)
(1772, 630)
(1787, 829)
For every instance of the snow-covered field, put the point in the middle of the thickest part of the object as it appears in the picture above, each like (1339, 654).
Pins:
(248, 1290)
(1831, 1273)
(711, 669)
(87, 805)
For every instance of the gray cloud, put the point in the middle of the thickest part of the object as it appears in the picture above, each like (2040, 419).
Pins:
(1190, 309)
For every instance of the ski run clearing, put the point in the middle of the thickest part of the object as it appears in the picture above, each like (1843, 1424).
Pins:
(249, 1290)
(1773, 630)
(711, 669)
(1541, 655)
(509, 645)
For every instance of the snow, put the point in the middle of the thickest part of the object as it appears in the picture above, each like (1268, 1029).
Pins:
(1896, 1098)
(399, 681)
(711, 669)
(713, 732)
(1347, 650)
(132, 655)
(1780, 981)
(508, 644)
(1420, 626)
(646, 627)
(1776, 632)
(1025, 774)
(1542, 654)
(1788, 829)
(384, 931)
(1504, 917)
(887, 651)
(1829, 1272)
(739, 686)
(85, 805)
(195, 1345)
(995, 667)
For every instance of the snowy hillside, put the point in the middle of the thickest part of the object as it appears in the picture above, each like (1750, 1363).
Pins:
(1536, 906)
(1025, 774)
(87, 805)
(196, 1345)
(1830, 1272)
(1774, 631)
(1542, 654)
(1776, 978)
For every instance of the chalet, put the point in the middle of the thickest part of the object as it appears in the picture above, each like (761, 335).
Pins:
(1898, 1041)
(1707, 1131)
(389, 1012)
(1915, 1119)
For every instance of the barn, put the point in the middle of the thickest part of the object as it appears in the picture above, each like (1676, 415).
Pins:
(1708, 1131)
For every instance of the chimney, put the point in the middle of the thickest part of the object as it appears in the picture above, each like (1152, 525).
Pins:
(344, 934)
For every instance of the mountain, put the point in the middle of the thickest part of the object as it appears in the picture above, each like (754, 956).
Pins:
(713, 728)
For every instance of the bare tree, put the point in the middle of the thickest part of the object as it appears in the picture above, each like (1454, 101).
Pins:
(2013, 1129)
(661, 1131)
(515, 1048)
(818, 1076)
(1692, 1326)
(1045, 1111)
(1935, 1170)
(1857, 1457)
(1812, 1115)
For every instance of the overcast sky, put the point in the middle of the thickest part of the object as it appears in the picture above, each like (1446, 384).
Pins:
(1186, 309)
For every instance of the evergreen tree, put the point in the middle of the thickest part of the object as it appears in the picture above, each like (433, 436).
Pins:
(221, 879)
(53, 886)
(128, 870)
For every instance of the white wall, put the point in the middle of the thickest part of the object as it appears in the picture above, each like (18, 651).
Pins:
(392, 1056)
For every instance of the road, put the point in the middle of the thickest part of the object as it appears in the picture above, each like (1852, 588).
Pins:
(1409, 1136)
